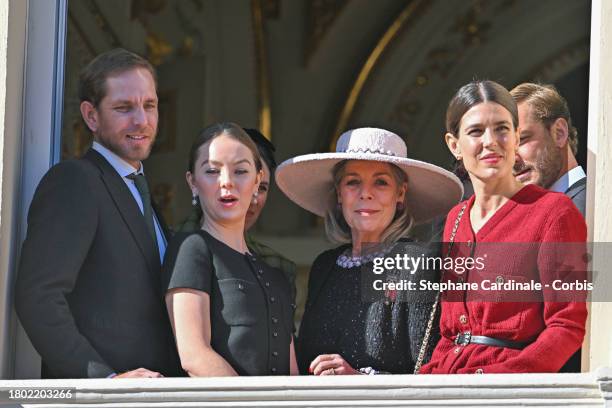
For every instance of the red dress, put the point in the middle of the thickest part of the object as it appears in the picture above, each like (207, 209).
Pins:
(554, 330)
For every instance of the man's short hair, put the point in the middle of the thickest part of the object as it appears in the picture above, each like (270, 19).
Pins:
(92, 79)
(547, 105)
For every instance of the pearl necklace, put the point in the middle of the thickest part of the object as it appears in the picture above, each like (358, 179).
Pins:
(346, 260)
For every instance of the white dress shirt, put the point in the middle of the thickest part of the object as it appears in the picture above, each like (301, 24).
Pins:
(568, 179)
(125, 169)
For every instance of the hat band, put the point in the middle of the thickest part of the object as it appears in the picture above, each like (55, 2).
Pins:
(368, 150)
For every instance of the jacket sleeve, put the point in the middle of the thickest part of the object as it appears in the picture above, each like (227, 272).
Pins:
(318, 274)
(561, 256)
(62, 223)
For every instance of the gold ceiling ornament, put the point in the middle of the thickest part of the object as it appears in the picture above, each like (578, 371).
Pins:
(186, 48)
(470, 30)
(471, 26)
(262, 70)
(157, 48)
(406, 15)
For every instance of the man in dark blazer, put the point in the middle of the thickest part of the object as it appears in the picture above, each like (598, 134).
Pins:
(549, 142)
(547, 152)
(88, 289)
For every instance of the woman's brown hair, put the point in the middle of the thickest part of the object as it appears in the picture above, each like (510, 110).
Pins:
(474, 93)
(470, 95)
(224, 128)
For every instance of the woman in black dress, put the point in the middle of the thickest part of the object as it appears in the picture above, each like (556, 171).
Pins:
(231, 313)
(370, 194)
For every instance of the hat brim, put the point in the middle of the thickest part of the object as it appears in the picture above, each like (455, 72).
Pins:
(307, 181)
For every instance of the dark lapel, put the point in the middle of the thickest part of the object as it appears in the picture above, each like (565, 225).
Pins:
(576, 188)
(128, 208)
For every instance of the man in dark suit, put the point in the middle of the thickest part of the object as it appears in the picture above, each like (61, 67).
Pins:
(88, 289)
(546, 155)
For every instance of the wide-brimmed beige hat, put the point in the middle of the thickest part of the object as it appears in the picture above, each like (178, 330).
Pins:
(307, 180)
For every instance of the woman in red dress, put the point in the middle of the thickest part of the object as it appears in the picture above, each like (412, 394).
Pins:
(531, 236)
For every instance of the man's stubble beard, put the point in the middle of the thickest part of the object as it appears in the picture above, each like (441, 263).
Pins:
(549, 163)
(123, 151)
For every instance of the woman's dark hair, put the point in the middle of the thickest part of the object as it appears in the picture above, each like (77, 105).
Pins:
(265, 147)
(225, 128)
(470, 95)
(193, 222)
(474, 93)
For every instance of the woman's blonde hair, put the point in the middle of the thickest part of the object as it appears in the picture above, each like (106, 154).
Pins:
(338, 230)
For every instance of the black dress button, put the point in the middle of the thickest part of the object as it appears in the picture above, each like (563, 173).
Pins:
(274, 320)
(267, 284)
(275, 353)
(273, 369)
(272, 299)
(275, 334)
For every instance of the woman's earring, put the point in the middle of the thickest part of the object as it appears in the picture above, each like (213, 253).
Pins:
(194, 199)
(459, 157)
(254, 200)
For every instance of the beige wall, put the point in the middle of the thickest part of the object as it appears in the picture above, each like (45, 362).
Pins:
(3, 63)
(599, 187)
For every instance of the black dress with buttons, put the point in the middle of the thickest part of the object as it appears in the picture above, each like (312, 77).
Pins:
(251, 314)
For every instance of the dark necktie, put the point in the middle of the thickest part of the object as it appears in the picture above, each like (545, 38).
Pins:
(145, 195)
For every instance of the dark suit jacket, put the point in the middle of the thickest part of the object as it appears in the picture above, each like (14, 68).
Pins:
(577, 192)
(88, 289)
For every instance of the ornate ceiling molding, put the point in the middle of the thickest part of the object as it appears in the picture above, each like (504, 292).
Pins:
(408, 14)
(562, 62)
(470, 30)
(163, 44)
(319, 18)
(262, 70)
(101, 21)
(81, 37)
(407, 88)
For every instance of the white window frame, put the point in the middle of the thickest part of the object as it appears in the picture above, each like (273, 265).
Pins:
(39, 148)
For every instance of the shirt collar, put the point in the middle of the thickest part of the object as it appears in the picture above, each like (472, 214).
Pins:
(121, 166)
(568, 179)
